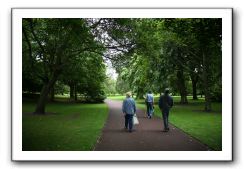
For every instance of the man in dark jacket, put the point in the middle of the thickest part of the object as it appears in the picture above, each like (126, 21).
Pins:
(165, 103)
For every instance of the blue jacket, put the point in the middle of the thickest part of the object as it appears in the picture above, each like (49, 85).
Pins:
(129, 106)
(165, 102)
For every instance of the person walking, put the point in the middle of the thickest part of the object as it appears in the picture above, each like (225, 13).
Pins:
(129, 110)
(149, 102)
(165, 103)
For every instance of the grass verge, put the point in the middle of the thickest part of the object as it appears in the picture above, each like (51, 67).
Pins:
(67, 127)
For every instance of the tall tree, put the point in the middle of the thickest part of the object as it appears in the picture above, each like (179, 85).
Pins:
(58, 42)
(208, 33)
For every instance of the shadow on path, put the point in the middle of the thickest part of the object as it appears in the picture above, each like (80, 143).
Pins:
(148, 135)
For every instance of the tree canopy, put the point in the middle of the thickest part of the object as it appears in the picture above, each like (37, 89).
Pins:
(183, 54)
(147, 53)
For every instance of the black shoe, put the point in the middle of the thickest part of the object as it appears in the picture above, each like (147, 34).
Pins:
(165, 130)
(130, 131)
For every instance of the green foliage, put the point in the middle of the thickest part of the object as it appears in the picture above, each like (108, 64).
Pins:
(110, 86)
(148, 54)
(87, 74)
(183, 54)
(60, 88)
(62, 51)
(121, 85)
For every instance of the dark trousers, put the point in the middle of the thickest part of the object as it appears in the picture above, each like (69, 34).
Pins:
(129, 121)
(165, 113)
(149, 108)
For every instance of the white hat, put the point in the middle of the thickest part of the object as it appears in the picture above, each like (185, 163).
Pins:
(128, 94)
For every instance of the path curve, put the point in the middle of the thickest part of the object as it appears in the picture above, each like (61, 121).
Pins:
(148, 135)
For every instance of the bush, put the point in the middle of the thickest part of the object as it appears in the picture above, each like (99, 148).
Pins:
(217, 92)
(216, 96)
(95, 97)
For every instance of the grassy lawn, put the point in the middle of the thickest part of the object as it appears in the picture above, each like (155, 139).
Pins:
(69, 127)
(116, 97)
(204, 126)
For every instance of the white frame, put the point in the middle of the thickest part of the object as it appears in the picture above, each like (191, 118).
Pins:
(19, 155)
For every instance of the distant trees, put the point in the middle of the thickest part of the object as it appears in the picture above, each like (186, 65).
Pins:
(148, 54)
(110, 86)
(172, 52)
(85, 75)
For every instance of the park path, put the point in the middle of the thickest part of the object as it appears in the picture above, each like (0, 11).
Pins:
(148, 135)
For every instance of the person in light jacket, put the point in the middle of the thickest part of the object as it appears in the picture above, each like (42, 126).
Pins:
(129, 109)
(149, 102)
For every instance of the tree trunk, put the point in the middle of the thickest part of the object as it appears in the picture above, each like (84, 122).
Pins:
(75, 91)
(194, 86)
(71, 91)
(206, 84)
(52, 94)
(40, 108)
(182, 87)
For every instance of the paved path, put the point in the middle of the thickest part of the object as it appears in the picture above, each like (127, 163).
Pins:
(148, 135)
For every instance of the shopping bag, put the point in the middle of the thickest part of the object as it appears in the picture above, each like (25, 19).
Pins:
(135, 120)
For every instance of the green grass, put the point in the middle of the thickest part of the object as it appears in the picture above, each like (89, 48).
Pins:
(204, 126)
(116, 97)
(69, 127)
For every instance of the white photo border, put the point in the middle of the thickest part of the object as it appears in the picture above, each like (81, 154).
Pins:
(227, 136)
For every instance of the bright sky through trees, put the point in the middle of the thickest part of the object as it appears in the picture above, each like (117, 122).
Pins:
(110, 71)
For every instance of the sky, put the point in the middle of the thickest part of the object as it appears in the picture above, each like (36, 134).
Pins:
(110, 71)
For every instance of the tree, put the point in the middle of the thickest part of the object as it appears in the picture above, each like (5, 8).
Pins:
(122, 86)
(54, 43)
(110, 86)
(208, 33)
(169, 51)
(148, 54)
(202, 44)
